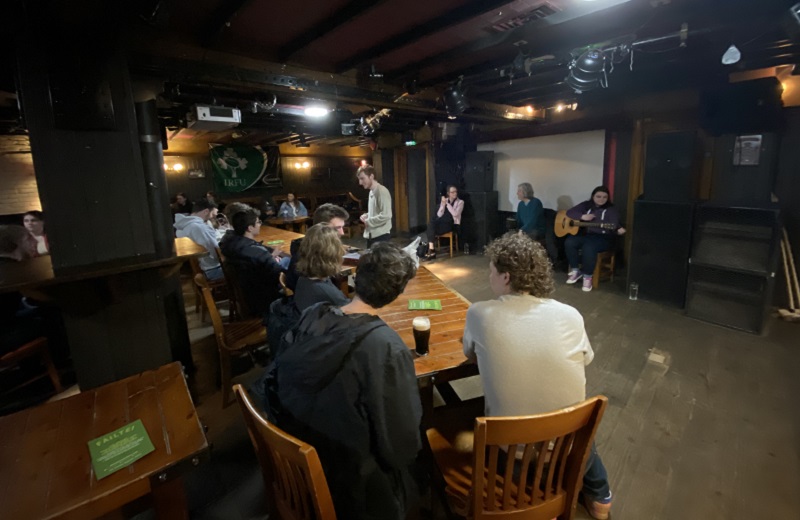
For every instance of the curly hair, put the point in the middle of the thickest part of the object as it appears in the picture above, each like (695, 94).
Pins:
(383, 273)
(526, 262)
(320, 252)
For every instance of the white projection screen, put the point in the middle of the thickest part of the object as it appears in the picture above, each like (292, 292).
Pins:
(563, 169)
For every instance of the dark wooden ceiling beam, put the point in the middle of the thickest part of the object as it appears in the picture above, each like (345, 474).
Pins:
(536, 31)
(344, 15)
(433, 26)
(219, 19)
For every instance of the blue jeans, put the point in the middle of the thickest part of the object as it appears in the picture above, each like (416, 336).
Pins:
(595, 478)
(215, 273)
(583, 249)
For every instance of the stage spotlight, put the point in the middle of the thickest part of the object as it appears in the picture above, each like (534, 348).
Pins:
(455, 101)
(586, 71)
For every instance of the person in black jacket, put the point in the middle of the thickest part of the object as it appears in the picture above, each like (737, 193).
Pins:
(256, 267)
(344, 382)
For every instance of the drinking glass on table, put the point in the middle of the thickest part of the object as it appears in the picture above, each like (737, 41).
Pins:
(422, 334)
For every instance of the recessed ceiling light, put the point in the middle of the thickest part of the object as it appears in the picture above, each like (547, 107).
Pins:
(316, 111)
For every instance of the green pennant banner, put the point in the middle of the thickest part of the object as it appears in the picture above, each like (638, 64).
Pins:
(237, 167)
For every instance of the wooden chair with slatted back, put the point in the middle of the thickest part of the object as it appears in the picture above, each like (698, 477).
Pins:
(215, 285)
(233, 339)
(540, 483)
(295, 483)
(38, 348)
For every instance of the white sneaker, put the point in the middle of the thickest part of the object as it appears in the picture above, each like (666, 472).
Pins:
(587, 283)
(574, 276)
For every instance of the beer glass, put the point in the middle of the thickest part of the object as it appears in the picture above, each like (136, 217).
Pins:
(422, 334)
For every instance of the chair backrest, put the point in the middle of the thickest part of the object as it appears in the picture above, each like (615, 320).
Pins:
(282, 281)
(235, 290)
(292, 471)
(216, 319)
(546, 479)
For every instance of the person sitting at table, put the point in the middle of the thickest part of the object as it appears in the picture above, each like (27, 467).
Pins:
(582, 249)
(345, 382)
(320, 259)
(292, 208)
(331, 214)
(530, 212)
(257, 268)
(34, 222)
(181, 204)
(447, 219)
(531, 350)
(22, 319)
(196, 227)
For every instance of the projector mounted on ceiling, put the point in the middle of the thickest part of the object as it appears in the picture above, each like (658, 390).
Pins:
(206, 117)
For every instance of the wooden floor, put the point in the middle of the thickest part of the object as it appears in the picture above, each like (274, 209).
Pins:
(703, 421)
(700, 423)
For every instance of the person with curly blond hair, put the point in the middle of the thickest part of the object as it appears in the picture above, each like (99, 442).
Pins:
(531, 350)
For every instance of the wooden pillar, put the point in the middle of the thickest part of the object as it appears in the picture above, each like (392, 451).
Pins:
(79, 110)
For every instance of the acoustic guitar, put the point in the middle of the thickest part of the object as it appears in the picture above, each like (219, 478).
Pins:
(569, 226)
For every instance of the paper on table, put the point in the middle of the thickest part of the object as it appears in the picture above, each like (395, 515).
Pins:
(119, 449)
(273, 242)
(424, 305)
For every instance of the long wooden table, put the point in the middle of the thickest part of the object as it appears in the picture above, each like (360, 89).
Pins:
(296, 223)
(45, 468)
(445, 361)
(269, 233)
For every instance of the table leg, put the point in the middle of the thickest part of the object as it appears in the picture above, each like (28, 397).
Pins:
(426, 397)
(169, 500)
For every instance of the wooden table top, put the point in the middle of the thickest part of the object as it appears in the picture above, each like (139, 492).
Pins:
(46, 468)
(269, 233)
(446, 358)
(38, 272)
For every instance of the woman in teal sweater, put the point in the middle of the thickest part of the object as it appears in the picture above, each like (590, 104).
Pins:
(530, 212)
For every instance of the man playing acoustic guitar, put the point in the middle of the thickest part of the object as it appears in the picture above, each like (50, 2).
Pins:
(602, 220)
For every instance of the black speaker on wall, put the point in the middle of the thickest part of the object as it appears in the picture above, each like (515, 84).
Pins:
(479, 171)
(668, 173)
(480, 221)
(745, 107)
(660, 248)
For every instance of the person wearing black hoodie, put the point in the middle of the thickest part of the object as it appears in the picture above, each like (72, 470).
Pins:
(256, 267)
(343, 381)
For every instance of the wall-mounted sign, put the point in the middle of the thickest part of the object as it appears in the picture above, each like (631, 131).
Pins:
(747, 150)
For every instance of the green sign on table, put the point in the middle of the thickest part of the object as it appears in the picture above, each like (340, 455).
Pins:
(424, 305)
(273, 242)
(119, 449)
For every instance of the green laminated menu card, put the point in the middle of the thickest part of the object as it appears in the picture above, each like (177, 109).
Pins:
(424, 305)
(273, 242)
(119, 449)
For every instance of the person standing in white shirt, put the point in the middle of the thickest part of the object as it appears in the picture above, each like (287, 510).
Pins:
(531, 350)
(378, 219)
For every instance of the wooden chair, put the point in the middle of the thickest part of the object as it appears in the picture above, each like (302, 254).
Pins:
(293, 476)
(284, 287)
(452, 236)
(484, 482)
(37, 347)
(215, 285)
(603, 268)
(236, 338)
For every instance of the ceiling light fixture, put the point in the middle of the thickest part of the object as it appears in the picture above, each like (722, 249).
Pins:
(316, 111)
(587, 71)
(455, 100)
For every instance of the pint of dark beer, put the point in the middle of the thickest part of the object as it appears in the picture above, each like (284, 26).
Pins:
(422, 334)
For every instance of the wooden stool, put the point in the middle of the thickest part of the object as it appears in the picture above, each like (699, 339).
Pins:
(37, 347)
(604, 267)
(452, 236)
